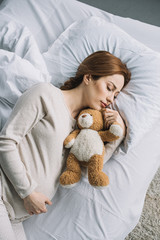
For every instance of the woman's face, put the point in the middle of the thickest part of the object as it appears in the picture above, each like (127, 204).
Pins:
(100, 93)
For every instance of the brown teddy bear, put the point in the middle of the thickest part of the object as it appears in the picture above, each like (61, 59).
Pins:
(87, 149)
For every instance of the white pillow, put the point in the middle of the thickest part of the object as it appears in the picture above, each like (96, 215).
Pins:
(139, 101)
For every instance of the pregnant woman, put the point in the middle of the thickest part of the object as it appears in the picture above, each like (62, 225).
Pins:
(31, 142)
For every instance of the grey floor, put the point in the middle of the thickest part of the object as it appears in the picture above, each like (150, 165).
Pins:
(147, 11)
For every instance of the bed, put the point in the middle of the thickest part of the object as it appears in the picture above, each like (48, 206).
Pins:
(36, 34)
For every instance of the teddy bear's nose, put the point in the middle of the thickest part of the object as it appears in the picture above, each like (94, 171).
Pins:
(83, 116)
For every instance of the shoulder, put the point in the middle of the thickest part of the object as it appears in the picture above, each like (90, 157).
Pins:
(41, 89)
(38, 92)
(43, 86)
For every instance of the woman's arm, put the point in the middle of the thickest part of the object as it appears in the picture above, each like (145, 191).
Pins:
(26, 113)
(111, 116)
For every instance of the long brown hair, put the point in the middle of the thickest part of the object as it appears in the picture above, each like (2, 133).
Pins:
(98, 64)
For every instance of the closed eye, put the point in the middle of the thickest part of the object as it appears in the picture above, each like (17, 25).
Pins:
(109, 89)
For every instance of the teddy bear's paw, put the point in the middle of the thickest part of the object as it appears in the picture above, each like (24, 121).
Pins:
(69, 178)
(99, 180)
(116, 129)
(70, 144)
(70, 185)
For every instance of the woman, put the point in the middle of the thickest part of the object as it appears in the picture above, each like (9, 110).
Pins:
(31, 142)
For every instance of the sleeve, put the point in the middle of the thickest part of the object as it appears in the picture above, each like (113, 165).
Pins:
(111, 147)
(28, 110)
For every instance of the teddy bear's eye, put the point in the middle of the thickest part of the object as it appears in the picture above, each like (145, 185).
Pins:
(90, 114)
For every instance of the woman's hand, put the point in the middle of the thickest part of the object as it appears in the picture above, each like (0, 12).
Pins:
(110, 116)
(35, 203)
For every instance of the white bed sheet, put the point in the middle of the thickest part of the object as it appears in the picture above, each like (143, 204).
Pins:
(83, 212)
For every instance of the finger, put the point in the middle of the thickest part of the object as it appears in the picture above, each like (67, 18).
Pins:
(107, 121)
(110, 122)
(37, 212)
(108, 114)
(107, 110)
(48, 202)
(44, 210)
(110, 110)
(109, 118)
(103, 110)
(111, 114)
(107, 125)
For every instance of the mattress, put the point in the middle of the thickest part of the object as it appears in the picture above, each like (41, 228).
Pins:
(31, 27)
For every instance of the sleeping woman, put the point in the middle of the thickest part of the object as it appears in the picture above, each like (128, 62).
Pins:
(31, 142)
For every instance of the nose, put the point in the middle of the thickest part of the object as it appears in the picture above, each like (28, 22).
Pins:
(110, 99)
(83, 116)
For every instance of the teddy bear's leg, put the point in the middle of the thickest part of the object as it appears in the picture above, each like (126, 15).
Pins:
(72, 174)
(96, 177)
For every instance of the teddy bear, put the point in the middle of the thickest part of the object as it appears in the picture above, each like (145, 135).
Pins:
(87, 149)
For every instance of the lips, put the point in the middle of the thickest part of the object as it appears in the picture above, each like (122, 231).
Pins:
(104, 105)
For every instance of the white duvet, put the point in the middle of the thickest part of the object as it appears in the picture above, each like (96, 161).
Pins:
(21, 64)
(27, 30)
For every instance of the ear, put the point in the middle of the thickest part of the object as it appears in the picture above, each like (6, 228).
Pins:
(87, 78)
